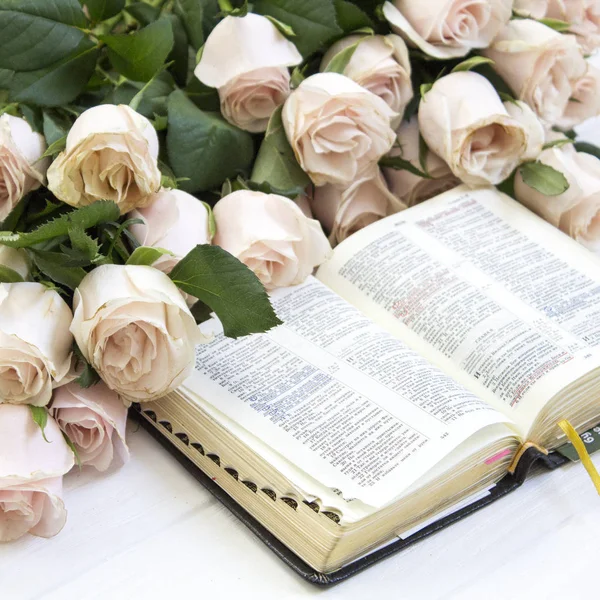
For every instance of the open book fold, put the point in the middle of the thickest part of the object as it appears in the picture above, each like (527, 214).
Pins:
(404, 380)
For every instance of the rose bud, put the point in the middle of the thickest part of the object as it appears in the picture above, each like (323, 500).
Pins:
(35, 342)
(337, 128)
(21, 167)
(14, 259)
(31, 471)
(577, 210)
(271, 236)
(247, 60)
(408, 187)
(343, 211)
(175, 221)
(381, 65)
(540, 65)
(133, 326)
(111, 154)
(462, 119)
(584, 102)
(447, 28)
(94, 420)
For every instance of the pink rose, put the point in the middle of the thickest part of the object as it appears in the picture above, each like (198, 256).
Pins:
(31, 471)
(94, 419)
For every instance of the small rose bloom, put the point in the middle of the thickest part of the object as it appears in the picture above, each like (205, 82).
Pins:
(271, 236)
(14, 259)
(409, 188)
(134, 327)
(381, 65)
(175, 221)
(31, 471)
(111, 154)
(247, 60)
(448, 28)
(21, 167)
(584, 102)
(577, 210)
(94, 419)
(462, 119)
(35, 342)
(540, 65)
(344, 211)
(337, 128)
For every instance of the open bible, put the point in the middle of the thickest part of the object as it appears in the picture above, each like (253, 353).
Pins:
(406, 380)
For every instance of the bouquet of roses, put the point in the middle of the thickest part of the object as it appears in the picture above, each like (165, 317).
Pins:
(162, 160)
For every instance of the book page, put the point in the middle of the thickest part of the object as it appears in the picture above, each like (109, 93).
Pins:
(490, 293)
(338, 397)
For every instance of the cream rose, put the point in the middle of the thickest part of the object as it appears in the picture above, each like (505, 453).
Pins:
(14, 259)
(344, 211)
(111, 154)
(21, 167)
(31, 471)
(337, 128)
(584, 102)
(132, 324)
(462, 119)
(175, 221)
(271, 236)
(35, 342)
(577, 210)
(381, 65)
(541, 66)
(448, 28)
(409, 188)
(94, 419)
(247, 60)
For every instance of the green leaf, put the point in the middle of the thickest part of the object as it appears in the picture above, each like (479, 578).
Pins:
(212, 223)
(86, 217)
(88, 376)
(423, 153)
(283, 28)
(137, 99)
(557, 143)
(425, 87)
(139, 55)
(198, 17)
(73, 448)
(507, 97)
(200, 312)
(340, 61)
(52, 265)
(228, 287)
(204, 97)
(100, 10)
(8, 275)
(143, 13)
(146, 255)
(556, 24)
(55, 126)
(82, 242)
(40, 418)
(313, 21)
(543, 178)
(37, 33)
(203, 147)
(154, 98)
(587, 148)
(56, 147)
(471, 63)
(179, 56)
(276, 163)
(349, 17)
(400, 164)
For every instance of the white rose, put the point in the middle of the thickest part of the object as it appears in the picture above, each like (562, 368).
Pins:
(175, 221)
(15, 259)
(271, 236)
(380, 64)
(344, 211)
(462, 119)
(35, 342)
(132, 324)
(21, 167)
(584, 102)
(536, 9)
(577, 210)
(31, 471)
(247, 60)
(409, 188)
(541, 65)
(94, 419)
(111, 154)
(536, 134)
(448, 28)
(337, 128)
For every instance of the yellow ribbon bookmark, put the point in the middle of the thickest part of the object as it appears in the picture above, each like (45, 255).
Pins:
(582, 452)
